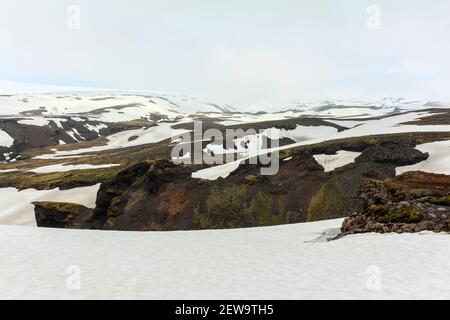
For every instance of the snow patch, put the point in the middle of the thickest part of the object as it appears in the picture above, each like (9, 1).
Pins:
(16, 207)
(5, 139)
(438, 162)
(69, 167)
(334, 161)
(213, 173)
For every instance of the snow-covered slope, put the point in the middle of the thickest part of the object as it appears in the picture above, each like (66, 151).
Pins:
(100, 105)
(388, 125)
(284, 262)
(438, 161)
(121, 105)
(16, 206)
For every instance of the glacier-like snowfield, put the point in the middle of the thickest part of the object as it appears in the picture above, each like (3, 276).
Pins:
(282, 262)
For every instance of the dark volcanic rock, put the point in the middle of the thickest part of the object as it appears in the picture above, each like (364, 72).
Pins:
(61, 215)
(339, 196)
(396, 156)
(114, 188)
(159, 195)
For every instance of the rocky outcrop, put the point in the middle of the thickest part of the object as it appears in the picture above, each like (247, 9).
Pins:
(159, 195)
(339, 197)
(62, 215)
(392, 206)
(393, 154)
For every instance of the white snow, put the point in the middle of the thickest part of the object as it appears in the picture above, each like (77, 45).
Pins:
(115, 105)
(8, 170)
(438, 162)
(58, 121)
(302, 133)
(122, 105)
(42, 121)
(61, 167)
(334, 161)
(348, 123)
(122, 139)
(282, 262)
(96, 128)
(216, 172)
(34, 121)
(16, 207)
(5, 139)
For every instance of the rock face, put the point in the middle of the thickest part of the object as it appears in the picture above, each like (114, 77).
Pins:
(62, 215)
(339, 197)
(159, 195)
(393, 206)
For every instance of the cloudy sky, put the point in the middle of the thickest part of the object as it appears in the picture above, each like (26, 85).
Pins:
(240, 52)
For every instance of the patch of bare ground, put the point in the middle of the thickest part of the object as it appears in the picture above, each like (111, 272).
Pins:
(440, 117)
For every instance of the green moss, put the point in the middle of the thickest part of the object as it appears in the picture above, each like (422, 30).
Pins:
(404, 215)
(138, 182)
(328, 203)
(62, 180)
(259, 210)
(250, 179)
(69, 209)
(225, 207)
(386, 214)
(440, 201)
(204, 182)
(197, 218)
(404, 193)
(281, 216)
(379, 210)
(111, 224)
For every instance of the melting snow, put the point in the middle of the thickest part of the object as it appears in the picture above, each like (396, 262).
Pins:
(334, 161)
(123, 139)
(5, 139)
(69, 167)
(216, 172)
(438, 162)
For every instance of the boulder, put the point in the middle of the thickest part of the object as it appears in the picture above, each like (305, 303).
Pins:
(61, 215)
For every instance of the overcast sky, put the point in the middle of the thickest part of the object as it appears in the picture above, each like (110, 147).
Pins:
(239, 52)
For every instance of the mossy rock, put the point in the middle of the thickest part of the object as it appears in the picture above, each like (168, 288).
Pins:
(440, 201)
(378, 209)
(68, 209)
(415, 193)
(386, 214)
(404, 215)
